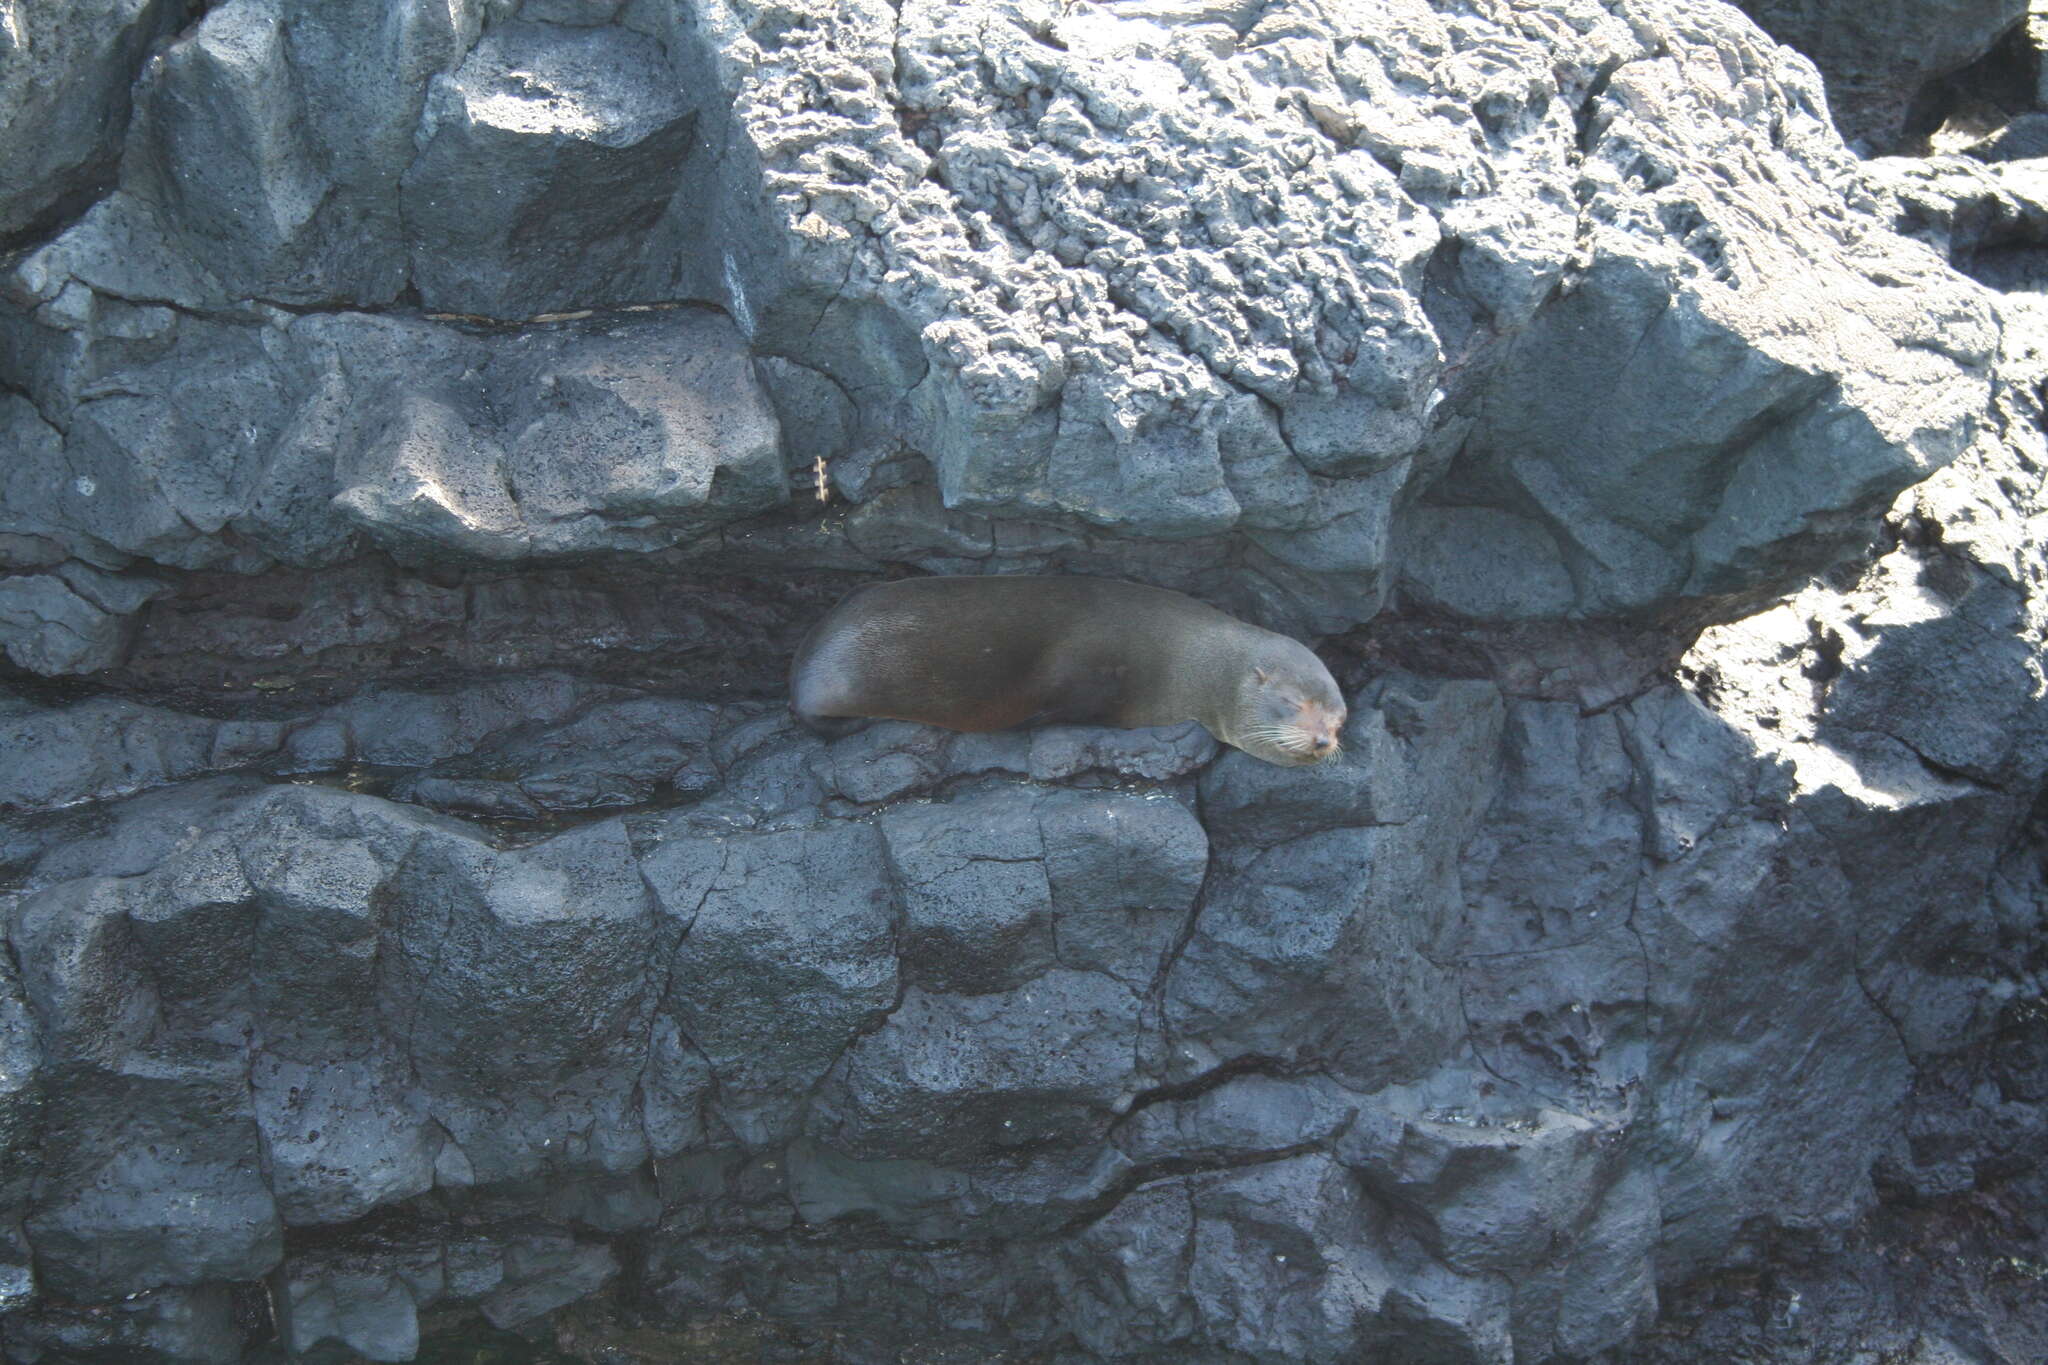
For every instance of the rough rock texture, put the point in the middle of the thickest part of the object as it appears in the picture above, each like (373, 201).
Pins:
(420, 911)
(66, 68)
(1878, 56)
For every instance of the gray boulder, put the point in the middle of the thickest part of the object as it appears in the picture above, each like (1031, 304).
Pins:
(271, 136)
(1079, 155)
(966, 1077)
(522, 1086)
(20, 1139)
(1319, 929)
(2025, 138)
(152, 1176)
(367, 1295)
(65, 72)
(1071, 309)
(369, 1310)
(1877, 57)
(547, 162)
(1988, 220)
(48, 628)
(634, 433)
(772, 999)
(162, 1327)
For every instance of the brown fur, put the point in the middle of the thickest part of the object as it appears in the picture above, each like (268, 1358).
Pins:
(994, 652)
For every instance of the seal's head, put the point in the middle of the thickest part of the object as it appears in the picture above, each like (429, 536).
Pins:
(1290, 709)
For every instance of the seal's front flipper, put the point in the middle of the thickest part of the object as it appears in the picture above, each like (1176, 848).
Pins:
(830, 727)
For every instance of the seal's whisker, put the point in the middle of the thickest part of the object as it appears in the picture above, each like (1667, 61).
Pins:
(1293, 740)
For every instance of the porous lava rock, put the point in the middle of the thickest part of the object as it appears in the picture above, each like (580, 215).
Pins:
(1878, 57)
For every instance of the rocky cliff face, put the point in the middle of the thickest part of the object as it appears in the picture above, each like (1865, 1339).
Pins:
(413, 421)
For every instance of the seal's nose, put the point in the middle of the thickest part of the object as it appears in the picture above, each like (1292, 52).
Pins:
(1325, 744)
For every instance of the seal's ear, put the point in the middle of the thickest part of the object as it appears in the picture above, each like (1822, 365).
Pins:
(1262, 675)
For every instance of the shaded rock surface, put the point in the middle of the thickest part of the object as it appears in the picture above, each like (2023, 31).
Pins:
(421, 911)
(66, 72)
(1877, 58)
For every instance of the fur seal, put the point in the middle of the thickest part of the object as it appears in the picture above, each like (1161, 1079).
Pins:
(1005, 650)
